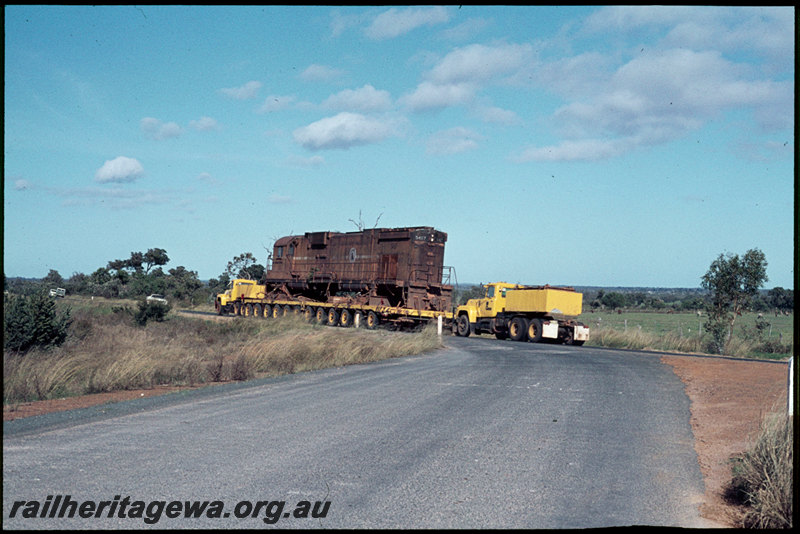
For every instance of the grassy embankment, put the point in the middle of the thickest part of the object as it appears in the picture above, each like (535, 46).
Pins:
(683, 332)
(763, 476)
(107, 351)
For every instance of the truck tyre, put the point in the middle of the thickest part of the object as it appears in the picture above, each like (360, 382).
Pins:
(258, 311)
(462, 327)
(346, 318)
(535, 330)
(320, 315)
(333, 317)
(518, 329)
(277, 311)
(372, 320)
(218, 307)
(267, 311)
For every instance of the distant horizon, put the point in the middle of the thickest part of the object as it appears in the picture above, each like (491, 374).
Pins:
(470, 284)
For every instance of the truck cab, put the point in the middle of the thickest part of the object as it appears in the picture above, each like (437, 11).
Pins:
(524, 313)
(238, 290)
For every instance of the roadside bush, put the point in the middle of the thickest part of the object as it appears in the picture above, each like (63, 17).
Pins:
(719, 334)
(155, 311)
(33, 322)
(763, 476)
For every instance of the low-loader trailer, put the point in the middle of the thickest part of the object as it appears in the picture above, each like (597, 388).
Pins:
(524, 313)
(249, 299)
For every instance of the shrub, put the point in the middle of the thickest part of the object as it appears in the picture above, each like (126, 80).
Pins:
(763, 476)
(151, 310)
(33, 322)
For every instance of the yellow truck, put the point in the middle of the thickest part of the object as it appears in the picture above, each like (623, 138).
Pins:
(524, 313)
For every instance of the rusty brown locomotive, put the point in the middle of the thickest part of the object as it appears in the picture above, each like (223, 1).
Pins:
(402, 267)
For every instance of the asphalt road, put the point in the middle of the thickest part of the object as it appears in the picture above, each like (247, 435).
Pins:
(483, 434)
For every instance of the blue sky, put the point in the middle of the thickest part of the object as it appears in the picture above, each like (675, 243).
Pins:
(604, 146)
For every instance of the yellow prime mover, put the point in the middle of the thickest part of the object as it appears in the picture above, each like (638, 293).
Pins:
(524, 313)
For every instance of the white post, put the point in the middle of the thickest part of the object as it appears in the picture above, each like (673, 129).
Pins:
(790, 407)
(439, 325)
(358, 318)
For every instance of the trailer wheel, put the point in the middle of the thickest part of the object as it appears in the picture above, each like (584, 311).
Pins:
(308, 314)
(518, 328)
(258, 311)
(237, 308)
(346, 318)
(320, 315)
(372, 320)
(462, 327)
(333, 317)
(535, 330)
(277, 311)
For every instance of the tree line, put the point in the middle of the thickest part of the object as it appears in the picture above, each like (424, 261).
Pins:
(141, 274)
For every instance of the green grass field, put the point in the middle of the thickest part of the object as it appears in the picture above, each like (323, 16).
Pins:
(682, 331)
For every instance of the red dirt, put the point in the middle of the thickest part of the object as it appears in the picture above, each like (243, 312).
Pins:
(729, 399)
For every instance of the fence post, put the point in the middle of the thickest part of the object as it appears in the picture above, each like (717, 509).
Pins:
(790, 406)
(439, 325)
(358, 319)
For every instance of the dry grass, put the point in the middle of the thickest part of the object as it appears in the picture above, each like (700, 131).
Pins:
(639, 339)
(636, 338)
(106, 351)
(763, 476)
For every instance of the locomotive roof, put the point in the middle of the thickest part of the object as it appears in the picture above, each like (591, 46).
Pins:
(283, 241)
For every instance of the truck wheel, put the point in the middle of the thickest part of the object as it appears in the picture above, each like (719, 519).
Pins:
(218, 307)
(277, 311)
(535, 330)
(320, 315)
(462, 327)
(267, 311)
(518, 328)
(372, 320)
(346, 318)
(258, 311)
(333, 317)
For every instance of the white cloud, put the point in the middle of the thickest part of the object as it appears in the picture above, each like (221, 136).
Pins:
(276, 103)
(155, 129)
(453, 141)
(320, 73)
(365, 99)
(655, 97)
(247, 91)
(396, 22)
(204, 124)
(582, 150)
(119, 170)
(460, 75)
(431, 96)
(343, 131)
(493, 114)
(479, 63)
